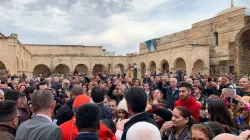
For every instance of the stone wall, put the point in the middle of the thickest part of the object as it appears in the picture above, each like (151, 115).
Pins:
(170, 41)
(14, 56)
(65, 49)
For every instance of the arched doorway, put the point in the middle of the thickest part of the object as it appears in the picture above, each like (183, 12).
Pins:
(98, 68)
(164, 66)
(143, 69)
(198, 66)
(180, 64)
(231, 69)
(81, 69)
(119, 69)
(2, 67)
(152, 67)
(62, 69)
(41, 69)
(135, 72)
(242, 63)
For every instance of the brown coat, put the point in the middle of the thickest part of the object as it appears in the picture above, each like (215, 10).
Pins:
(7, 132)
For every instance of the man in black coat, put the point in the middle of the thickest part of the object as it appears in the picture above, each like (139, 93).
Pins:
(88, 122)
(97, 95)
(65, 112)
(136, 99)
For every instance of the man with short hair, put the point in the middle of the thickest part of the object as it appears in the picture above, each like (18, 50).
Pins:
(8, 119)
(136, 99)
(13, 95)
(187, 100)
(42, 86)
(97, 94)
(56, 84)
(65, 84)
(65, 112)
(171, 94)
(88, 122)
(69, 130)
(41, 126)
(244, 86)
(20, 99)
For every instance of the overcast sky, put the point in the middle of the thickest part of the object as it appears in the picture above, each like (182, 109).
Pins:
(118, 25)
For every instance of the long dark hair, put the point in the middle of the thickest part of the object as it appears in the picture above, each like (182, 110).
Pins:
(219, 112)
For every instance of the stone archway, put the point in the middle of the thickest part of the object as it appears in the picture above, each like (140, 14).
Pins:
(81, 69)
(143, 69)
(242, 57)
(41, 69)
(152, 67)
(62, 69)
(180, 64)
(164, 66)
(199, 66)
(98, 68)
(2, 67)
(119, 68)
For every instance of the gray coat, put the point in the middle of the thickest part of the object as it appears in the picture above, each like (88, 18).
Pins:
(38, 128)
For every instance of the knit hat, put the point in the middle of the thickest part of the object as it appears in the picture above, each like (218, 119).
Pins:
(122, 105)
(80, 100)
(143, 131)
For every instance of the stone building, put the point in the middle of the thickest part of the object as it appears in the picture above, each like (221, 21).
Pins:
(214, 46)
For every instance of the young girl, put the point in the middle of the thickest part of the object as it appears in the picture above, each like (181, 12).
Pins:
(122, 110)
(113, 106)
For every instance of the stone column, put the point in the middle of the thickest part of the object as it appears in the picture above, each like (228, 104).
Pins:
(89, 73)
(132, 73)
(139, 73)
(188, 69)
(158, 71)
(148, 70)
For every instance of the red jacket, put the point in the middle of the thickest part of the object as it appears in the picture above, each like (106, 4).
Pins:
(69, 131)
(192, 105)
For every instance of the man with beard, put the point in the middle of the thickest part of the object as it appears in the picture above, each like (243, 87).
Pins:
(187, 100)
(8, 119)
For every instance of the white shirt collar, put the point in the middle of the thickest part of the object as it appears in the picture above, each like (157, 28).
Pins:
(45, 116)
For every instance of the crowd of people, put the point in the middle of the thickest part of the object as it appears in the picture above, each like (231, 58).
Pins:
(172, 106)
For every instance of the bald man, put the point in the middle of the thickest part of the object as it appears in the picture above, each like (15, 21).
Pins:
(244, 86)
(1, 95)
(146, 78)
(171, 94)
(225, 136)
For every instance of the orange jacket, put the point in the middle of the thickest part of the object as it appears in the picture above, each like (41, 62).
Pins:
(69, 131)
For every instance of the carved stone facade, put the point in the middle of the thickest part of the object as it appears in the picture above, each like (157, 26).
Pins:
(213, 46)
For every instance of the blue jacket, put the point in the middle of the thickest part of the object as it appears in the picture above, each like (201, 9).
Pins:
(87, 136)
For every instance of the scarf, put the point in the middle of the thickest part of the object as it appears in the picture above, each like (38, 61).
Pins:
(170, 134)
